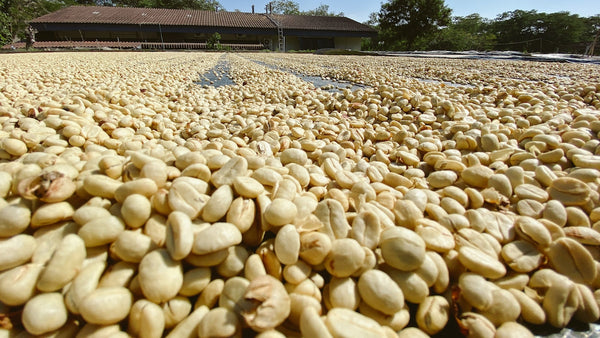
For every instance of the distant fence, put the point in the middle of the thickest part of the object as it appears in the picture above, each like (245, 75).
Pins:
(131, 45)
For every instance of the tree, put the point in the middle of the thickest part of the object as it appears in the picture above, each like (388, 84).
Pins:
(214, 41)
(16, 13)
(471, 32)
(322, 10)
(403, 21)
(293, 8)
(5, 35)
(205, 5)
(284, 7)
(542, 32)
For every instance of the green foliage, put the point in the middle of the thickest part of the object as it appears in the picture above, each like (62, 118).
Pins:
(213, 41)
(470, 32)
(402, 22)
(322, 10)
(16, 13)
(541, 32)
(425, 25)
(5, 36)
(293, 8)
(285, 7)
(205, 5)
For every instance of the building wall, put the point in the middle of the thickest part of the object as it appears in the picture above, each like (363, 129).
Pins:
(348, 43)
(291, 43)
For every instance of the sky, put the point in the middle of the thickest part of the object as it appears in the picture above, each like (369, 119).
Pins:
(359, 10)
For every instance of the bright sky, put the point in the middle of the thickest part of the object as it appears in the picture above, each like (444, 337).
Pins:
(359, 10)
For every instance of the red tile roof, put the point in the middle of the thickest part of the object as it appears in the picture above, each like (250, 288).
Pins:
(183, 17)
(329, 23)
(136, 16)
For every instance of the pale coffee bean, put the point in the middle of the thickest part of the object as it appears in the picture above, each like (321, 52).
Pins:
(311, 324)
(560, 303)
(176, 310)
(188, 327)
(442, 178)
(479, 262)
(569, 191)
(100, 185)
(280, 212)
(188, 196)
(17, 285)
(344, 322)
(218, 236)
(17, 250)
(84, 283)
(513, 330)
(412, 332)
(366, 229)
(52, 213)
(287, 244)
(588, 310)
(407, 213)
(477, 175)
(194, 281)
(142, 186)
(254, 267)
(379, 291)
(504, 307)
(413, 287)
(234, 262)
(531, 311)
(101, 231)
(402, 248)
(314, 247)
(136, 210)
(218, 204)
(266, 303)
(476, 290)
(146, 320)
(293, 155)
(345, 257)
(232, 295)
(437, 237)
(477, 325)
(14, 218)
(120, 274)
(64, 264)
(577, 217)
(85, 214)
(132, 246)
(208, 260)
(247, 187)
(432, 314)
(331, 213)
(571, 259)
(501, 183)
(297, 272)
(236, 166)
(219, 322)
(341, 293)
(521, 256)
(242, 213)
(44, 313)
(396, 322)
(211, 294)
(530, 191)
(443, 276)
(106, 306)
(160, 277)
(180, 235)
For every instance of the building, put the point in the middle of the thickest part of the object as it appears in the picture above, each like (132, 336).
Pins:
(89, 26)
